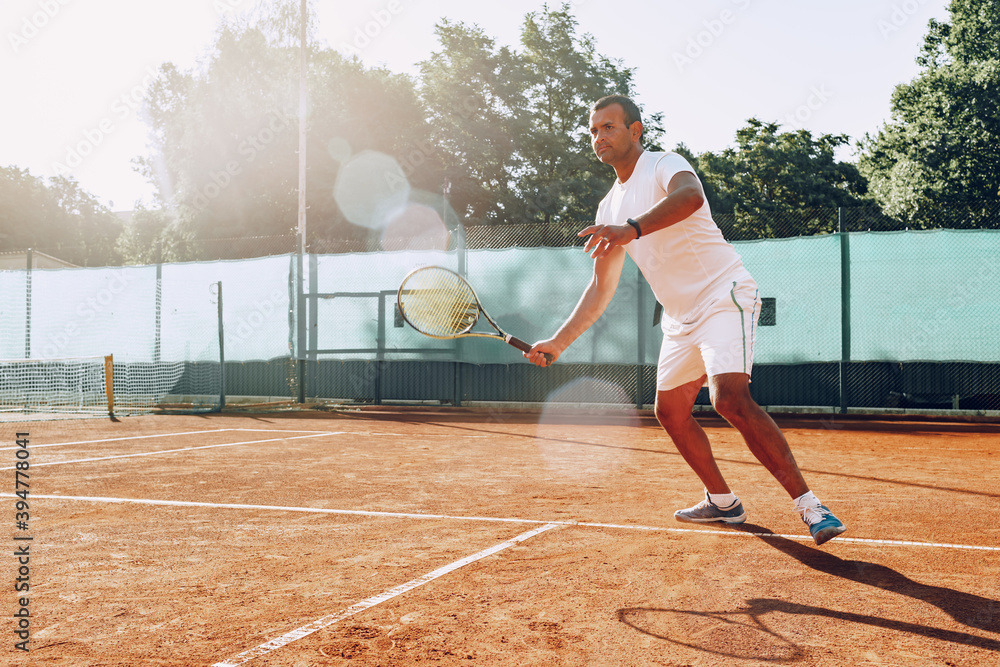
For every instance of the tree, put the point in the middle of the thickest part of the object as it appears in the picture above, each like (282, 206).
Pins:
(58, 218)
(225, 139)
(561, 178)
(937, 161)
(778, 183)
(225, 161)
(514, 122)
(472, 91)
(151, 236)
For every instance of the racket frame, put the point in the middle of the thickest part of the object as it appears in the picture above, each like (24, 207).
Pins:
(467, 332)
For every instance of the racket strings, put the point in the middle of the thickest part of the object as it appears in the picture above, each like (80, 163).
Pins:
(439, 303)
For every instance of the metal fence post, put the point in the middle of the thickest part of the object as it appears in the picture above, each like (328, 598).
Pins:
(157, 334)
(301, 326)
(222, 354)
(462, 271)
(845, 307)
(27, 308)
(640, 341)
(380, 348)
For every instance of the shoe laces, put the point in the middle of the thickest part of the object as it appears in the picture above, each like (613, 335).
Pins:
(703, 504)
(814, 514)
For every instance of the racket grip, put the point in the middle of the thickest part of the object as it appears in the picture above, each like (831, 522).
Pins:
(524, 347)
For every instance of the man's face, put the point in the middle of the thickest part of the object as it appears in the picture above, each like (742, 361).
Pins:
(610, 137)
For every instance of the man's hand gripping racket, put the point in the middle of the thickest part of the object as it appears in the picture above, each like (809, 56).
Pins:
(439, 303)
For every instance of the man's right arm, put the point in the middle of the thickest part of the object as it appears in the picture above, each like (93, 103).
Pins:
(590, 307)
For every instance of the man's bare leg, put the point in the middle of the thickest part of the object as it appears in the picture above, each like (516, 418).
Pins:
(730, 393)
(673, 411)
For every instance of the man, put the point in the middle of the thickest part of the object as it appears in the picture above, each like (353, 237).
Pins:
(656, 212)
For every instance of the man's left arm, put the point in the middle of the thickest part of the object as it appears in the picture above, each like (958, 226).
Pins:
(684, 196)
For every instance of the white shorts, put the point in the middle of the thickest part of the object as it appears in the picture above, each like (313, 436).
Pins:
(718, 339)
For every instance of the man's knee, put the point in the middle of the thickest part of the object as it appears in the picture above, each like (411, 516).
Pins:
(672, 416)
(733, 403)
(673, 406)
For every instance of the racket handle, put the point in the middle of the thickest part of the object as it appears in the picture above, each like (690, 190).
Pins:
(524, 347)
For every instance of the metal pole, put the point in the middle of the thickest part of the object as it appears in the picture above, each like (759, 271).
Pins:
(845, 308)
(27, 308)
(311, 332)
(222, 355)
(641, 340)
(300, 348)
(303, 98)
(463, 271)
(380, 348)
(157, 335)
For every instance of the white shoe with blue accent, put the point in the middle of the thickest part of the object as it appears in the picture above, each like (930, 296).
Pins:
(822, 524)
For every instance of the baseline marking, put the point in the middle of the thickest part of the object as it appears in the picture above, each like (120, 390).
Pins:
(129, 437)
(326, 621)
(174, 451)
(160, 435)
(414, 515)
(286, 508)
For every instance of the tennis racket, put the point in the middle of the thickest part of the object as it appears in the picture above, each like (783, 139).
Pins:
(440, 303)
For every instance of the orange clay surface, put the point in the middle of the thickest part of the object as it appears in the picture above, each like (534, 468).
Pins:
(233, 543)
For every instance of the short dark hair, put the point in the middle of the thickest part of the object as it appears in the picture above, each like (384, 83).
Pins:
(632, 113)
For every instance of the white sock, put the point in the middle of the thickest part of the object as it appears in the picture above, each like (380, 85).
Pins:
(722, 500)
(807, 499)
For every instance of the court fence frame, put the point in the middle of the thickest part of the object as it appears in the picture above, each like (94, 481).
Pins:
(379, 373)
(843, 386)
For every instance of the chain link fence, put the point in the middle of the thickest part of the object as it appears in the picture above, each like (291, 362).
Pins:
(862, 312)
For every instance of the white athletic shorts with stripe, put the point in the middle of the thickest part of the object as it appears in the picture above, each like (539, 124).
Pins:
(717, 338)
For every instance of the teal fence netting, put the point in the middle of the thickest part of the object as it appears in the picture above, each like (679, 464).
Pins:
(870, 319)
(908, 296)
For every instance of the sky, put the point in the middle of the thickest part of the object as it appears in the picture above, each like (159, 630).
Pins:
(74, 72)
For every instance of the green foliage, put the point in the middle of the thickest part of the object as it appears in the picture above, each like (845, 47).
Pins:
(226, 134)
(154, 235)
(57, 218)
(471, 90)
(514, 123)
(941, 150)
(776, 183)
(560, 178)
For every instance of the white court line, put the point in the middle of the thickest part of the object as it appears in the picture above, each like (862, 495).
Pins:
(129, 437)
(319, 624)
(801, 538)
(158, 435)
(273, 430)
(414, 515)
(174, 451)
(285, 508)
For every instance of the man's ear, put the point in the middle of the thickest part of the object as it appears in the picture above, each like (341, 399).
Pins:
(636, 130)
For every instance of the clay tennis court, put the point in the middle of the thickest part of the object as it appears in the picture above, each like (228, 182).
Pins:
(462, 537)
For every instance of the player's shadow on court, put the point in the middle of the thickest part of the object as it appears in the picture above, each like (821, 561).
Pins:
(711, 631)
(971, 610)
(755, 620)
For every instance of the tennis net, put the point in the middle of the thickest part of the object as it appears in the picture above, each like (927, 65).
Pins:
(77, 385)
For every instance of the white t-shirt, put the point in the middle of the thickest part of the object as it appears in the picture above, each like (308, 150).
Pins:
(688, 264)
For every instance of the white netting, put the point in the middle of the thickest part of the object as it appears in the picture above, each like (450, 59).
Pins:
(75, 385)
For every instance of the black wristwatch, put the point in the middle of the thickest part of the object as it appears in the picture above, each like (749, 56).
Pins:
(635, 226)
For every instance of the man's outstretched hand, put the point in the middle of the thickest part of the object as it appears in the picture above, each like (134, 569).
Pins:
(604, 238)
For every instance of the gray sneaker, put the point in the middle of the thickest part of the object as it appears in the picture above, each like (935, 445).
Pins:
(706, 512)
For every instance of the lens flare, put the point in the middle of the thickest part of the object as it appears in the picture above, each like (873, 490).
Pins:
(371, 189)
(586, 401)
